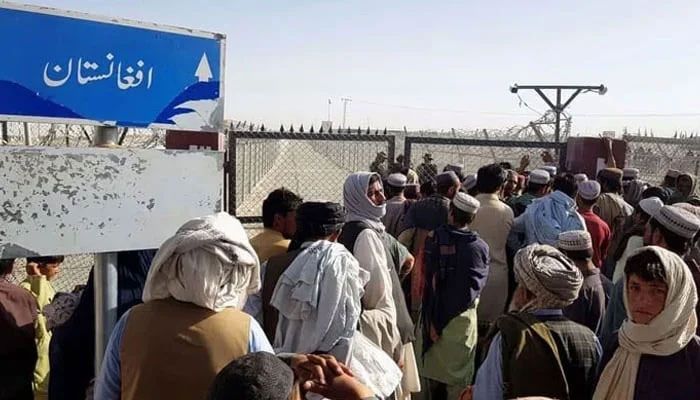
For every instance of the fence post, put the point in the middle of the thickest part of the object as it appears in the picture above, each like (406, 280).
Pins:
(407, 152)
(27, 141)
(391, 151)
(232, 171)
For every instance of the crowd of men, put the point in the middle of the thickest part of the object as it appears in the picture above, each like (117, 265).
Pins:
(501, 284)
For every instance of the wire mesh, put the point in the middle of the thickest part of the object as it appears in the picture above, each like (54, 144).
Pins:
(312, 165)
(431, 155)
(654, 156)
(73, 272)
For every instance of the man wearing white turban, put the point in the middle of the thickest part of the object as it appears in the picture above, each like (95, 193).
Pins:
(656, 354)
(189, 326)
(537, 351)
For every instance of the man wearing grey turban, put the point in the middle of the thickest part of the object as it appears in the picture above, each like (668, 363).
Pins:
(536, 333)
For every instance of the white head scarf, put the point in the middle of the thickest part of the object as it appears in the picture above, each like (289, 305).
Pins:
(209, 262)
(357, 205)
(668, 333)
(551, 276)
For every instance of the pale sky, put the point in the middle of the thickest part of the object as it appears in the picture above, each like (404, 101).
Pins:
(444, 64)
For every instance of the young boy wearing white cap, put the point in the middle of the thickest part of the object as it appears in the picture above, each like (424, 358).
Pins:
(589, 308)
(671, 228)
(457, 266)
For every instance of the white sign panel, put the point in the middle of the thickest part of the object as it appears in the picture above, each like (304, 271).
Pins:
(88, 200)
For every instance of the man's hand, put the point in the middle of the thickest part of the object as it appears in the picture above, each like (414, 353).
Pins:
(318, 368)
(467, 393)
(608, 148)
(547, 157)
(339, 387)
(524, 163)
(33, 269)
(407, 266)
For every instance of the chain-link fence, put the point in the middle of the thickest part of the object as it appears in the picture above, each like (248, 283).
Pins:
(313, 165)
(430, 155)
(76, 268)
(654, 156)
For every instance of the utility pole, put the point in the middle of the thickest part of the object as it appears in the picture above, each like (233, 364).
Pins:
(329, 110)
(345, 101)
(559, 107)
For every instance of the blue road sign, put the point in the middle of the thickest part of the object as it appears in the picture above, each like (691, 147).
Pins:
(60, 66)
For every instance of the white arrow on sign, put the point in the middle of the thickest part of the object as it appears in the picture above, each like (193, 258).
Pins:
(203, 72)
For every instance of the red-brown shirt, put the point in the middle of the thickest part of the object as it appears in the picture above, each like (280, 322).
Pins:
(17, 348)
(600, 236)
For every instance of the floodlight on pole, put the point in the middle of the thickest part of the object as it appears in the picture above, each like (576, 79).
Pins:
(345, 101)
(558, 107)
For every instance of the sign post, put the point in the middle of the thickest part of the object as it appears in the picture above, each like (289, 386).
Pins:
(105, 276)
(73, 68)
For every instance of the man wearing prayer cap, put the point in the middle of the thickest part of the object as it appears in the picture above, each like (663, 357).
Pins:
(537, 187)
(580, 178)
(427, 171)
(589, 308)
(469, 185)
(629, 174)
(536, 333)
(457, 265)
(551, 169)
(385, 318)
(588, 193)
(671, 228)
(634, 237)
(612, 208)
(197, 284)
(424, 216)
(656, 353)
(397, 205)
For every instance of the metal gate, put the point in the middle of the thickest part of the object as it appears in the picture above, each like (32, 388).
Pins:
(313, 165)
(471, 154)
